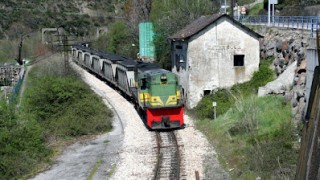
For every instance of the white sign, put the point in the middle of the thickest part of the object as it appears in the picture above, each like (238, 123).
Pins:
(214, 104)
(243, 10)
(273, 1)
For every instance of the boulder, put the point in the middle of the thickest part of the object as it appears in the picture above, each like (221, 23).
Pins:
(282, 83)
(302, 67)
(285, 45)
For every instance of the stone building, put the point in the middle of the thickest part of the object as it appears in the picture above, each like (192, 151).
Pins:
(212, 52)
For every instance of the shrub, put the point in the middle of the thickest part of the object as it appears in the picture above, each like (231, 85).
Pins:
(65, 106)
(22, 144)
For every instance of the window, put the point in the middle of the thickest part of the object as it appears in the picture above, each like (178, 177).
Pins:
(238, 60)
(143, 84)
(206, 92)
(177, 59)
(178, 47)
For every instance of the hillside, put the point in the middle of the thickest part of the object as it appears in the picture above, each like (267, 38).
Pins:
(77, 16)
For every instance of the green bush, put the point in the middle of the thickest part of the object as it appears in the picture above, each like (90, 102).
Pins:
(65, 106)
(22, 144)
(256, 9)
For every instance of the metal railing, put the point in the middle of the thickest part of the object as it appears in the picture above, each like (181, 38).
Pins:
(311, 23)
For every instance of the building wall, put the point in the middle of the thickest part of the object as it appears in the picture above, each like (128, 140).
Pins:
(210, 59)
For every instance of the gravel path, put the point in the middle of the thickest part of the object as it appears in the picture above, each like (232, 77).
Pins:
(128, 152)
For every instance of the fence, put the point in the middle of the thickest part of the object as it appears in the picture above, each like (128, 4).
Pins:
(311, 23)
(16, 88)
(11, 77)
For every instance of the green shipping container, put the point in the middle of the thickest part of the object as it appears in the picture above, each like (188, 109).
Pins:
(147, 50)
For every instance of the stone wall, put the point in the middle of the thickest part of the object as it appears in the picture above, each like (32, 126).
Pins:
(288, 48)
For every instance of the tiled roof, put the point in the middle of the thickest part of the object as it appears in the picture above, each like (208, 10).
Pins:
(203, 22)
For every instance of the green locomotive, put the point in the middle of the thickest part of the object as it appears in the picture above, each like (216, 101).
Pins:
(158, 96)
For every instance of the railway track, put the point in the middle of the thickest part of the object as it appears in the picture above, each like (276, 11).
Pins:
(169, 157)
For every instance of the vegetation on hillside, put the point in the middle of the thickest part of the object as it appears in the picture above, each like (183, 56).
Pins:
(51, 13)
(55, 108)
(22, 144)
(256, 10)
(31, 48)
(118, 40)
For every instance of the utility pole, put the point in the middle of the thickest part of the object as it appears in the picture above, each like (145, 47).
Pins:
(63, 38)
(268, 12)
(232, 5)
(65, 54)
(19, 59)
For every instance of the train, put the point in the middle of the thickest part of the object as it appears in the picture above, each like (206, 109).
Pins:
(155, 92)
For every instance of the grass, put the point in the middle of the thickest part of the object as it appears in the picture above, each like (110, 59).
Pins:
(254, 138)
(112, 170)
(255, 10)
(244, 2)
(94, 169)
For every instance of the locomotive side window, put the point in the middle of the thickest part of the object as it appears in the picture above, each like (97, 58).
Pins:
(177, 62)
(178, 47)
(238, 60)
(143, 84)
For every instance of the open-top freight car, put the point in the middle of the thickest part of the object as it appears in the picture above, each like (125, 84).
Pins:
(155, 91)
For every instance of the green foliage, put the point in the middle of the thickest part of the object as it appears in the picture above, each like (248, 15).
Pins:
(118, 40)
(256, 9)
(204, 108)
(255, 137)
(33, 15)
(172, 15)
(64, 106)
(9, 48)
(225, 98)
(245, 2)
(22, 143)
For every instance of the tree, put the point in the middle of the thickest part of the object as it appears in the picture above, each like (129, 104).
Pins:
(169, 16)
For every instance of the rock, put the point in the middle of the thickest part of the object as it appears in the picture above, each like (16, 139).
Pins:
(281, 62)
(269, 45)
(300, 93)
(282, 83)
(288, 95)
(276, 62)
(278, 45)
(294, 100)
(284, 45)
(291, 40)
(286, 58)
(263, 55)
(294, 110)
(302, 80)
(278, 70)
(269, 53)
(302, 67)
